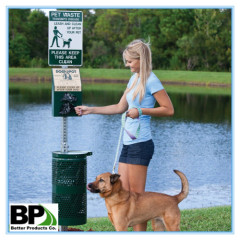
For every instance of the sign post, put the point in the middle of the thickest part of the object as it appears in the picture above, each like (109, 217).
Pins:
(68, 167)
(65, 37)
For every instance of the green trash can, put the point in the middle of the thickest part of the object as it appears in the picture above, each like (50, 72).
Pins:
(69, 179)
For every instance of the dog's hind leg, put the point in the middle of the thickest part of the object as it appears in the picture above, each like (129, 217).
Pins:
(172, 223)
(158, 225)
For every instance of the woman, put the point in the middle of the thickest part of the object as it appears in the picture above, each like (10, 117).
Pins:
(143, 90)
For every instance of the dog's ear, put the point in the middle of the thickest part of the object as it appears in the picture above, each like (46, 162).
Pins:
(114, 178)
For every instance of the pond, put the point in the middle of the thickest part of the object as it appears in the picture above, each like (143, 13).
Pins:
(196, 141)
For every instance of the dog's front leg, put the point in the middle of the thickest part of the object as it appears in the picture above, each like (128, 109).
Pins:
(120, 223)
(110, 218)
(121, 228)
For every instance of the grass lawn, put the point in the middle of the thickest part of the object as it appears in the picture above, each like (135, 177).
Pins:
(124, 74)
(214, 219)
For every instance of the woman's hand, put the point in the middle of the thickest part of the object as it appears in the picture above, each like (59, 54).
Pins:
(132, 113)
(82, 110)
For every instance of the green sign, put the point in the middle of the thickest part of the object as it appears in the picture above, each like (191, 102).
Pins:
(65, 34)
(66, 91)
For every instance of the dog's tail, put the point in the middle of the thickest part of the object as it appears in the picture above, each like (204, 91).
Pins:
(185, 186)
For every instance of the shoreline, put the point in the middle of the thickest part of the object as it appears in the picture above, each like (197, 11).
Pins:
(119, 81)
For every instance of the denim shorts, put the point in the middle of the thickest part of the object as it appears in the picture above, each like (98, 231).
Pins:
(137, 153)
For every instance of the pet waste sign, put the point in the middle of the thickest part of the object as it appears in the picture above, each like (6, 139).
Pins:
(65, 37)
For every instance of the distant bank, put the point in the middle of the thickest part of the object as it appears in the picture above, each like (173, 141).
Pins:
(174, 81)
(221, 79)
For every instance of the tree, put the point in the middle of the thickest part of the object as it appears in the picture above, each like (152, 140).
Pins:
(28, 37)
(19, 54)
(37, 34)
(19, 51)
(17, 18)
(192, 39)
(209, 45)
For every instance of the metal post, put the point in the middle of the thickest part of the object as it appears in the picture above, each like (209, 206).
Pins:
(63, 228)
(64, 149)
(64, 130)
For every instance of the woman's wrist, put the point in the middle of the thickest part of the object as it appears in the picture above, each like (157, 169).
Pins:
(92, 110)
(139, 111)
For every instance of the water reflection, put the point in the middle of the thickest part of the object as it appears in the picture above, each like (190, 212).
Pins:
(188, 107)
(202, 108)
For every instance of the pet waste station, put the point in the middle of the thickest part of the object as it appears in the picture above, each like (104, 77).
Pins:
(69, 167)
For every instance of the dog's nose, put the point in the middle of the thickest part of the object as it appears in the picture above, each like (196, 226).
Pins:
(89, 186)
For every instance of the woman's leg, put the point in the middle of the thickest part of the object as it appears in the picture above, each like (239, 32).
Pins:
(137, 180)
(134, 179)
(123, 172)
(137, 175)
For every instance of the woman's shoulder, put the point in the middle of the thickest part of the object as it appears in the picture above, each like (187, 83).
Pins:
(132, 77)
(154, 84)
(153, 78)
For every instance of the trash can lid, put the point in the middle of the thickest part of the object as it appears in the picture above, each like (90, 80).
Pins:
(71, 154)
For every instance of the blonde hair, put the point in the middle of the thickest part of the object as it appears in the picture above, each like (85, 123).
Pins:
(138, 49)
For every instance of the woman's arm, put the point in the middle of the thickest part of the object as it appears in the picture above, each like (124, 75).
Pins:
(165, 108)
(121, 107)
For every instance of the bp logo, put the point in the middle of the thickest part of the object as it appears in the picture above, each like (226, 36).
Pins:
(33, 217)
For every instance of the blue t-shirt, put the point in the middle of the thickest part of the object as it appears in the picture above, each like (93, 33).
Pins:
(153, 85)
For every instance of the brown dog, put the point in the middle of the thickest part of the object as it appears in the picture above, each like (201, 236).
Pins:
(126, 209)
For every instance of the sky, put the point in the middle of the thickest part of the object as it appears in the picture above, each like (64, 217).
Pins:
(46, 11)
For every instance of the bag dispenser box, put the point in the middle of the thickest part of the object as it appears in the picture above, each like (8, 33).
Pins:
(66, 91)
